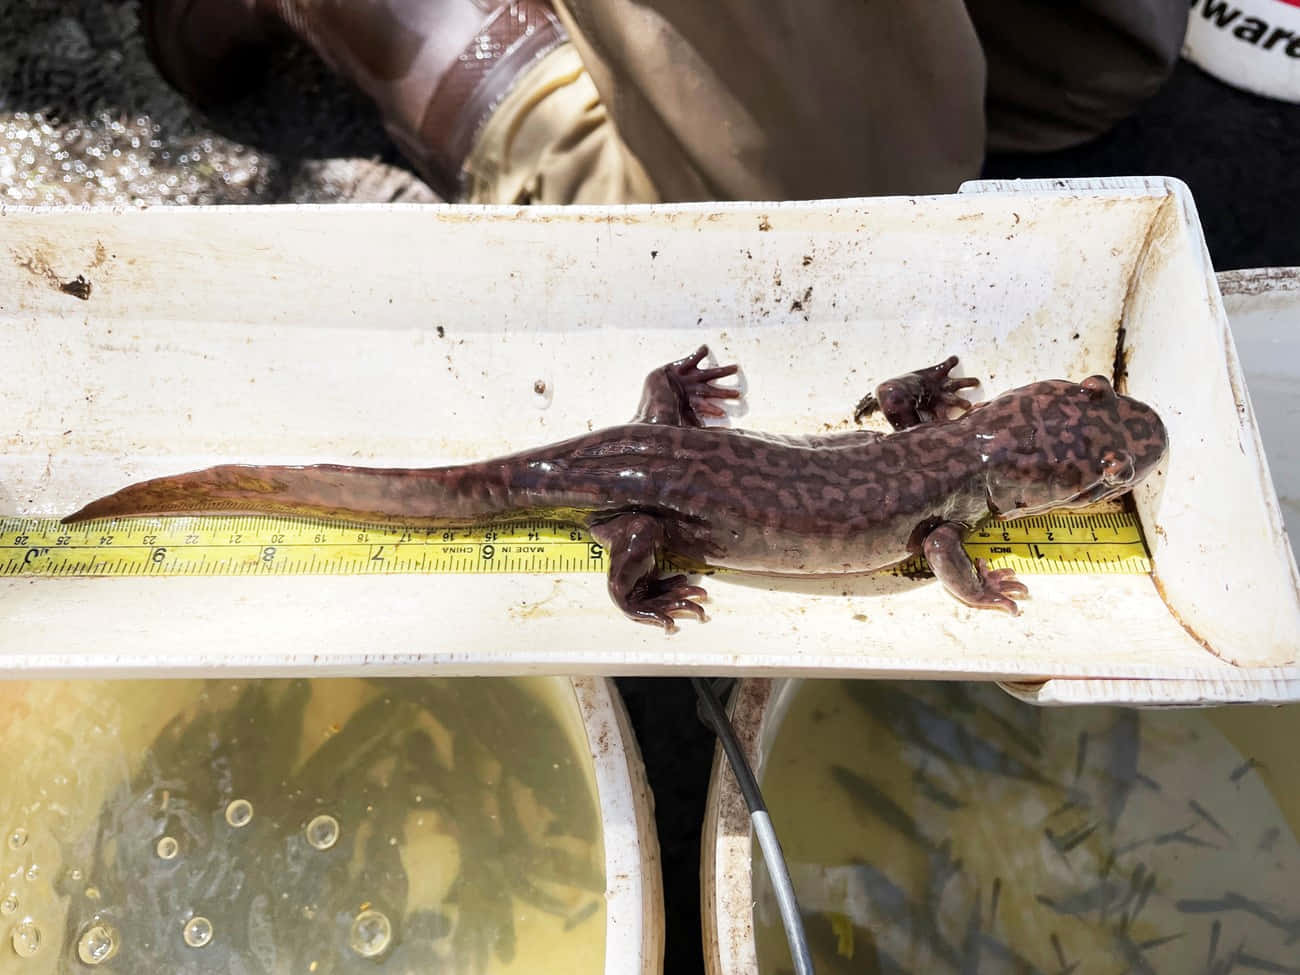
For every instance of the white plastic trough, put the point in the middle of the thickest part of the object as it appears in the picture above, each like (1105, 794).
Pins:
(415, 335)
(1263, 305)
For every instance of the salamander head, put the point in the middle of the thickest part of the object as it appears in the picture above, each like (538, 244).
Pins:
(1058, 444)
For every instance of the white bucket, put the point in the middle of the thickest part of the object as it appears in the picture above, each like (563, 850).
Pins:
(1264, 307)
(931, 827)
(77, 794)
(1250, 44)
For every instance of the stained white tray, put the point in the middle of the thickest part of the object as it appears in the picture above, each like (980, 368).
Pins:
(415, 335)
(1263, 305)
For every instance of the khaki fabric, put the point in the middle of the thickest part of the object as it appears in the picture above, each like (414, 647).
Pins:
(803, 99)
(788, 99)
(551, 141)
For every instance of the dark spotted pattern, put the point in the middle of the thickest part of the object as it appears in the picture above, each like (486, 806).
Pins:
(847, 502)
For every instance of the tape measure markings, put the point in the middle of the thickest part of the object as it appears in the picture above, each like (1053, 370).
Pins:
(1062, 543)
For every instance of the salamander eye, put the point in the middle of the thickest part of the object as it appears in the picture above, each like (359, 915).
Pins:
(1097, 387)
(1117, 467)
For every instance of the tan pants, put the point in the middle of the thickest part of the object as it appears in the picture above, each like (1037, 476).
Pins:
(802, 99)
(551, 141)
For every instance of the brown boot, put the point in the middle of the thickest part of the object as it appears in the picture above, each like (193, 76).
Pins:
(209, 50)
(436, 69)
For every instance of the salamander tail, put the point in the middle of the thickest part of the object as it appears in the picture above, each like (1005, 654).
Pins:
(322, 491)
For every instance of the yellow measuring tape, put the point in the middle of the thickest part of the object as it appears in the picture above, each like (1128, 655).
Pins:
(1108, 541)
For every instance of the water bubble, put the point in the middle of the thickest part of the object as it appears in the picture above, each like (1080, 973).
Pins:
(197, 931)
(92, 893)
(167, 847)
(239, 813)
(98, 943)
(10, 904)
(26, 938)
(18, 839)
(323, 832)
(371, 934)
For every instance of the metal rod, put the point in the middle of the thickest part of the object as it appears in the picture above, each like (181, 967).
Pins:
(716, 718)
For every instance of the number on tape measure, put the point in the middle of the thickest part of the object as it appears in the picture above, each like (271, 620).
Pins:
(1060, 543)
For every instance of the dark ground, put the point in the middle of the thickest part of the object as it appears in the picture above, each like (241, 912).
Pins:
(1235, 150)
(79, 65)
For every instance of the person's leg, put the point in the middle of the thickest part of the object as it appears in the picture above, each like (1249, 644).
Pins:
(821, 98)
(734, 99)
(1062, 73)
(788, 99)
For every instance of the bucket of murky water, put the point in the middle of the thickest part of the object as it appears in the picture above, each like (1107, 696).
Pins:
(262, 827)
(933, 827)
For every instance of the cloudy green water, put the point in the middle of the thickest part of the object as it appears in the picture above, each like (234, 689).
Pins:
(949, 828)
(317, 826)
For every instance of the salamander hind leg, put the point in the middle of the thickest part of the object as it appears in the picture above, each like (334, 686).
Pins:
(679, 393)
(633, 540)
(918, 397)
(974, 583)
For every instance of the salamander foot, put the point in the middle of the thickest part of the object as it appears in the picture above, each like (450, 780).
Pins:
(924, 396)
(680, 393)
(974, 583)
(657, 600)
(633, 539)
(996, 588)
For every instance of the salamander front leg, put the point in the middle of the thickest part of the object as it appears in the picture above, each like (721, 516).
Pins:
(633, 540)
(974, 583)
(918, 397)
(679, 393)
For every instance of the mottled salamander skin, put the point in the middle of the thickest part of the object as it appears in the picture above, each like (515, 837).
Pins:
(667, 484)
